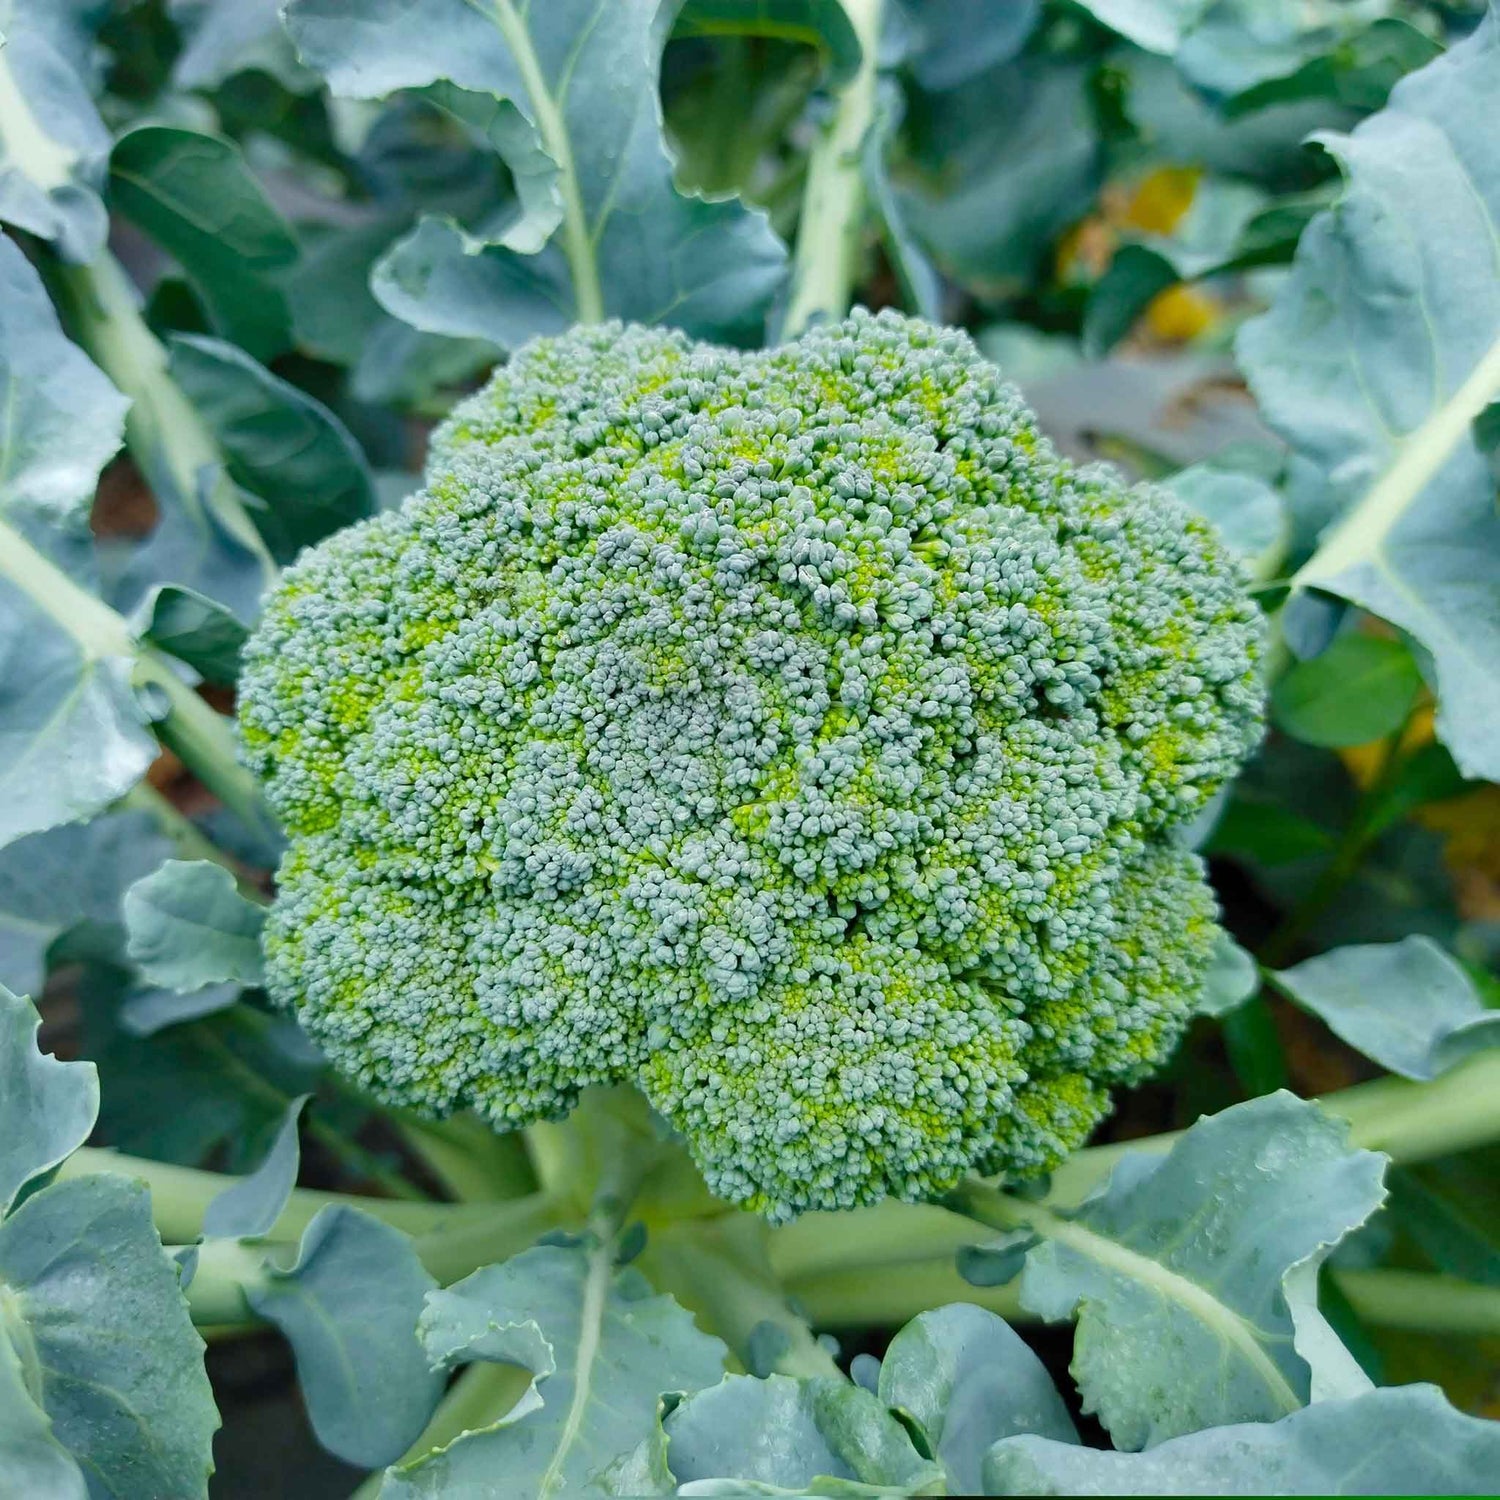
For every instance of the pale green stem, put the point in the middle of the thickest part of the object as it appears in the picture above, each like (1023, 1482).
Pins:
(168, 439)
(482, 1394)
(190, 841)
(720, 1272)
(179, 1196)
(203, 739)
(830, 230)
(1409, 1121)
(472, 1161)
(228, 1268)
(1418, 1300)
(894, 1294)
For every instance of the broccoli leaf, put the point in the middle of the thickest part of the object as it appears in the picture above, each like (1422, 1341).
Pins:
(53, 145)
(782, 1436)
(967, 1379)
(64, 419)
(1231, 980)
(602, 1347)
(145, 1012)
(1408, 1005)
(188, 926)
(73, 738)
(52, 882)
(31, 1457)
(349, 1308)
(282, 446)
(72, 733)
(47, 1107)
(225, 37)
(252, 1206)
(823, 24)
(584, 74)
(1360, 689)
(1376, 356)
(1013, 158)
(1179, 1266)
(1229, 46)
(196, 630)
(947, 42)
(195, 196)
(1401, 1440)
(98, 1307)
(178, 1084)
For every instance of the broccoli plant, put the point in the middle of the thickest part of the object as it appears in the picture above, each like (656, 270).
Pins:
(749, 748)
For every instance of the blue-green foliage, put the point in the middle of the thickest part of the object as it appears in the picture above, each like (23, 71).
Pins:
(793, 734)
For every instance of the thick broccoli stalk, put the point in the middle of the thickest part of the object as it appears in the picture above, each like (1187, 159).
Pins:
(792, 734)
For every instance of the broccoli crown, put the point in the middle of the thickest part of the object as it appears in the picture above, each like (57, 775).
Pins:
(792, 734)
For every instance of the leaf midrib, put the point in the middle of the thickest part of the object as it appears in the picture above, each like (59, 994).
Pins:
(1362, 534)
(1172, 1286)
(578, 246)
(590, 1336)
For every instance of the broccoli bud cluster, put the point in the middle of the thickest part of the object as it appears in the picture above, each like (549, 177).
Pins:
(791, 734)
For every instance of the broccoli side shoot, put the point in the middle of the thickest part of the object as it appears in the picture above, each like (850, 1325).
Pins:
(792, 734)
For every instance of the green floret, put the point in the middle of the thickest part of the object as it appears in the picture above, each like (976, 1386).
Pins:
(791, 734)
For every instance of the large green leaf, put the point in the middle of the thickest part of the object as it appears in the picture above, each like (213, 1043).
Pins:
(1408, 1005)
(1406, 1440)
(1229, 46)
(337, 317)
(614, 1346)
(967, 1380)
(282, 446)
(31, 1458)
(55, 881)
(1012, 158)
(47, 1107)
(63, 420)
(249, 1208)
(72, 733)
(782, 1436)
(1178, 1270)
(349, 1307)
(823, 24)
(117, 1364)
(947, 42)
(583, 73)
(1376, 356)
(53, 145)
(1360, 689)
(225, 37)
(176, 1088)
(188, 927)
(196, 630)
(194, 195)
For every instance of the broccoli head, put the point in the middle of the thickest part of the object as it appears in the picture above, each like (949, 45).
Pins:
(792, 734)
